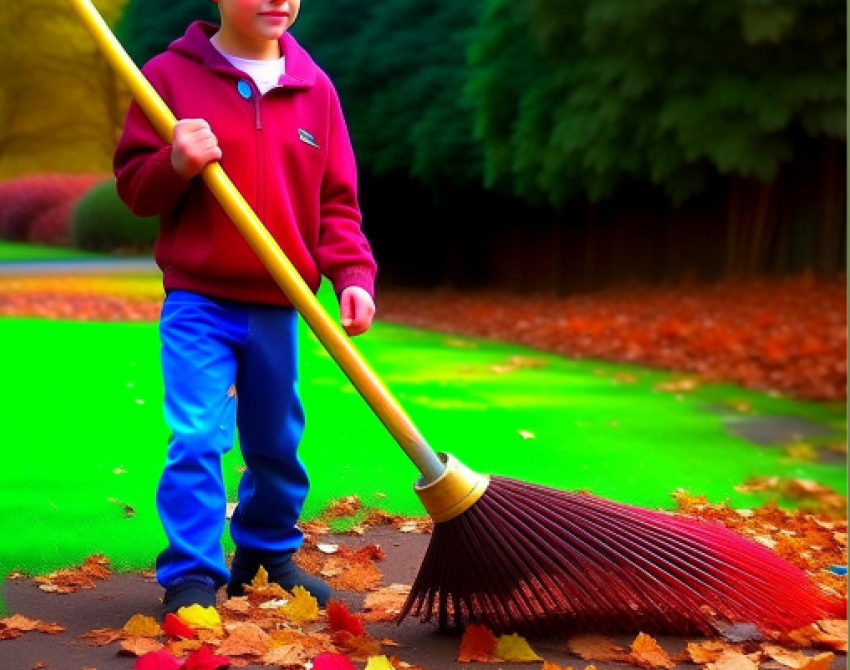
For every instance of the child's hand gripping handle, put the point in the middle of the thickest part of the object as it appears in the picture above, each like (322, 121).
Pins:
(335, 341)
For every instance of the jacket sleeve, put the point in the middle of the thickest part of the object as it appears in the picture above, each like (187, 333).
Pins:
(145, 178)
(343, 255)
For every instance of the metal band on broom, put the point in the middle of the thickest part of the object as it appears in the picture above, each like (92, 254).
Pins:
(515, 555)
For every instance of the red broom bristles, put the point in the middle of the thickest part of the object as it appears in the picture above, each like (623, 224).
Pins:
(533, 558)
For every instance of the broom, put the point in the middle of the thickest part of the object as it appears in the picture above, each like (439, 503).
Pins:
(516, 555)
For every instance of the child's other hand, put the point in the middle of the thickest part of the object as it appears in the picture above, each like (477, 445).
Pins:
(193, 147)
(356, 310)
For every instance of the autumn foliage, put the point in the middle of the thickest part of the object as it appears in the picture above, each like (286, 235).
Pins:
(785, 334)
(37, 207)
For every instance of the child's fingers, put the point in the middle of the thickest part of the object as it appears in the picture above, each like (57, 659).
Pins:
(364, 311)
(347, 309)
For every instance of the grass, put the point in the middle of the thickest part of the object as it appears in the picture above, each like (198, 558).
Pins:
(13, 251)
(85, 437)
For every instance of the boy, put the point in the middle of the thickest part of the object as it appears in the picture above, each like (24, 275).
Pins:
(250, 97)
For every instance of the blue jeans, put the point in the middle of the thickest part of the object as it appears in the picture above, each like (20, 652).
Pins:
(208, 345)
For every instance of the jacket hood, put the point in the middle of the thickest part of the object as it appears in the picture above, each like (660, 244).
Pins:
(300, 69)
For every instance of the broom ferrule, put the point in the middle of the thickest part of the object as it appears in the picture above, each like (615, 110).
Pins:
(456, 490)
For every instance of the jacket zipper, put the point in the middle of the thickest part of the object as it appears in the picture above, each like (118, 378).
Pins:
(261, 160)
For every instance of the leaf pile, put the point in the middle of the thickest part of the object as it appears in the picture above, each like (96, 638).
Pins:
(785, 334)
(364, 518)
(267, 626)
(812, 542)
(83, 298)
(76, 579)
(346, 569)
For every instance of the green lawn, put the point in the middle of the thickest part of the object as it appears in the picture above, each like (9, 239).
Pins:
(84, 434)
(12, 251)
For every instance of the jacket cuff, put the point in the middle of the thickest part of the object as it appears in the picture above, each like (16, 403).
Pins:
(162, 178)
(357, 276)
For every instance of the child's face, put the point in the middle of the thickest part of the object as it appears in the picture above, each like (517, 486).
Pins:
(258, 20)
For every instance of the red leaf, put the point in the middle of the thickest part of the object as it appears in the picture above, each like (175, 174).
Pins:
(205, 659)
(157, 660)
(341, 619)
(174, 627)
(478, 644)
(330, 661)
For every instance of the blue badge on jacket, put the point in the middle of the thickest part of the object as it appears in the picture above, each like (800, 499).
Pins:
(307, 138)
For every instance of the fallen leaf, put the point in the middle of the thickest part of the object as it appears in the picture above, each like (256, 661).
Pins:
(423, 525)
(813, 636)
(303, 608)
(174, 627)
(274, 604)
(140, 625)
(51, 628)
(477, 644)
(239, 605)
(548, 665)
(328, 548)
(647, 653)
(102, 636)
(95, 565)
(379, 663)
(792, 659)
(179, 648)
(819, 662)
(358, 647)
(245, 639)
(40, 666)
(157, 660)
(597, 648)
(706, 651)
(204, 659)
(261, 590)
(139, 646)
(20, 623)
(514, 648)
(732, 660)
(200, 617)
(836, 630)
(385, 604)
(340, 619)
(288, 654)
(330, 661)
(347, 506)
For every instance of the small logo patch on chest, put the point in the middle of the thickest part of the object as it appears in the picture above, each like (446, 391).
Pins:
(307, 138)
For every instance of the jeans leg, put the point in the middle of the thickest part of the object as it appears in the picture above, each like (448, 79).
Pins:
(270, 419)
(199, 341)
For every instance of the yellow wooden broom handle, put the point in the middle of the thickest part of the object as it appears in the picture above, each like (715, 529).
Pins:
(337, 343)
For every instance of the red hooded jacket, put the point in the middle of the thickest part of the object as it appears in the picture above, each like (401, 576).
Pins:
(288, 154)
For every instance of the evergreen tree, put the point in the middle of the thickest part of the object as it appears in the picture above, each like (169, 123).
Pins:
(670, 91)
(401, 71)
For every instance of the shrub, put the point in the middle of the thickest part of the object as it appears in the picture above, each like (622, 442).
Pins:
(101, 222)
(53, 225)
(24, 199)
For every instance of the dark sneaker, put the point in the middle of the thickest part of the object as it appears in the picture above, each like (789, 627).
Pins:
(188, 591)
(281, 569)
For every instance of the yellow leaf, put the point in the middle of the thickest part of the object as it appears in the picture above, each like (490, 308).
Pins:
(647, 653)
(514, 648)
(140, 625)
(200, 617)
(261, 579)
(303, 608)
(379, 663)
